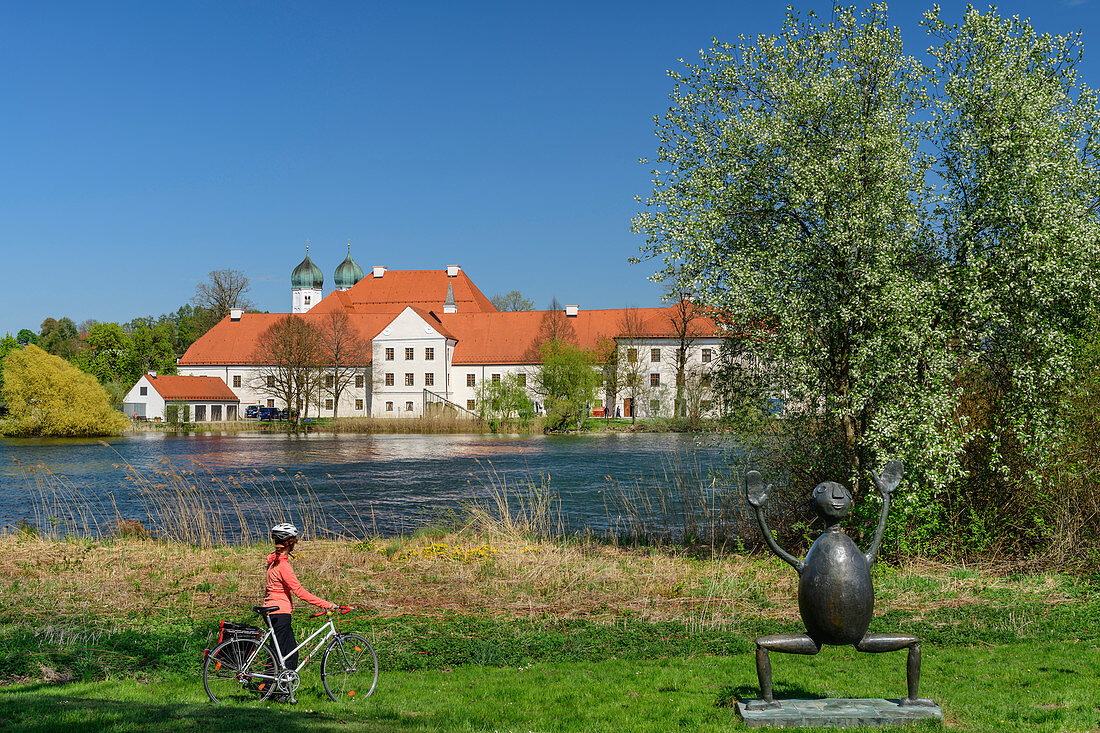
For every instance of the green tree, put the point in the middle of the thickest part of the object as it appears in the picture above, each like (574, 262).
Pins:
(26, 336)
(7, 345)
(48, 396)
(914, 249)
(1016, 140)
(567, 380)
(513, 300)
(788, 194)
(504, 401)
(59, 337)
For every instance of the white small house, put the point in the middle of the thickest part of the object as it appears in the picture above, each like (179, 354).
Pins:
(198, 399)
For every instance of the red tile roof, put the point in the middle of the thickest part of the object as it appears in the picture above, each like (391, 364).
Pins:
(513, 337)
(396, 289)
(234, 342)
(483, 336)
(172, 387)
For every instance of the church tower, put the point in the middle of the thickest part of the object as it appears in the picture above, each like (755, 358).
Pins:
(347, 273)
(305, 285)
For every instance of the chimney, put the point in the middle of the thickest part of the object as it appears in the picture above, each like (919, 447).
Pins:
(151, 373)
(235, 314)
(379, 270)
(571, 311)
(452, 270)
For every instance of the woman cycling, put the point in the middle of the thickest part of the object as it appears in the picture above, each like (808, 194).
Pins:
(281, 583)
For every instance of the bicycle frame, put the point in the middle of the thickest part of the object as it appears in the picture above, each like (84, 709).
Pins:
(328, 629)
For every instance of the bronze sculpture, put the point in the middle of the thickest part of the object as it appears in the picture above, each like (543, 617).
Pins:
(835, 595)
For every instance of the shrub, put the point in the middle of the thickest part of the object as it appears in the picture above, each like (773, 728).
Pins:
(48, 396)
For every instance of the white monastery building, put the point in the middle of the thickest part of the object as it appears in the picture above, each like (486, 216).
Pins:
(434, 337)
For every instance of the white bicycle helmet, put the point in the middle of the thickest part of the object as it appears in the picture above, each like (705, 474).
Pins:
(283, 532)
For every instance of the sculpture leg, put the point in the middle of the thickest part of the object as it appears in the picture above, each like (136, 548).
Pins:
(875, 643)
(788, 643)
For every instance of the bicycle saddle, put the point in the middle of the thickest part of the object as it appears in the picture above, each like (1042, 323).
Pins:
(264, 610)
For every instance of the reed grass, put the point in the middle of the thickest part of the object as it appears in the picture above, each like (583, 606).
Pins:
(195, 506)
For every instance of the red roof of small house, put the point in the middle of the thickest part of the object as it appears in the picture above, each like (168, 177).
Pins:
(426, 289)
(172, 387)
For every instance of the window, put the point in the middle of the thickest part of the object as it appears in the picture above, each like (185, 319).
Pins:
(429, 353)
(216, 413)
(271, 403)
(654, 407)
(144, 391)
(705, 381)
(389, 407)
(470, 380)
(389, 379)
(654, 380)
(632, 355)
(237, 380)
(307, 300)
(522, 379)
(654, 354)
(408, 379)
(496, 379)
(408, 407)
(200, 413)
(429, 379)
(408, 353)
(359, 404)
(328, 381)
(469, 404)
(358, 380)
(328, 404)
(705, 406)
(707, 355)
(389, 353)
(271, 381)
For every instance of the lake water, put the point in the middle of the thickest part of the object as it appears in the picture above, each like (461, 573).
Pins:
(389, 483)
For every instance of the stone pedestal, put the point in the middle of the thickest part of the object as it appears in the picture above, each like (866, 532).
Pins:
(836, 713)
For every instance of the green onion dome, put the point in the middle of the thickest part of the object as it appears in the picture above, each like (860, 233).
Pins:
(307, 274)
(347, 273)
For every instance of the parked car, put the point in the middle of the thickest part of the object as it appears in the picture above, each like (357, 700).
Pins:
(268, 413)
(252, 411)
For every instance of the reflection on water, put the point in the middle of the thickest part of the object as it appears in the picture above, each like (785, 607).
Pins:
(401, 480)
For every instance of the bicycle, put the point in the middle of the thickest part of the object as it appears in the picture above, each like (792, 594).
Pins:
(244, 670)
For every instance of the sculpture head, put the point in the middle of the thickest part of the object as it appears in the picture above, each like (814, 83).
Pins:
(832, 501)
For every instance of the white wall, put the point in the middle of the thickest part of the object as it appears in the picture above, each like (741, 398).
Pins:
(409, 330)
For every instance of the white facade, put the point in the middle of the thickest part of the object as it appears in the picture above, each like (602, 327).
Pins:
(302, 299)
(410, 356)
(143, 401)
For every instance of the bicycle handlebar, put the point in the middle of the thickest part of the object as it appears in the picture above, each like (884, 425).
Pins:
(327, 611)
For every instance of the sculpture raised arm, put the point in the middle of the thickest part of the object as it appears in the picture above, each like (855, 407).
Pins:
(886, 483)
(757, 496)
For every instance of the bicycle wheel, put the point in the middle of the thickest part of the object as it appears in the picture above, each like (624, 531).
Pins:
(349, 669)
(240, 671)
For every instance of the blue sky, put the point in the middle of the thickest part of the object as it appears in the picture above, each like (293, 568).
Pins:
(145, 144)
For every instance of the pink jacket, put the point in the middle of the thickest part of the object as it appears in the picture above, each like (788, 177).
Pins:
(281, 582)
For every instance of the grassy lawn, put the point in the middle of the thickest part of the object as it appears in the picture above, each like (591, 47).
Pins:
(491, 631)
(1011, 687)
